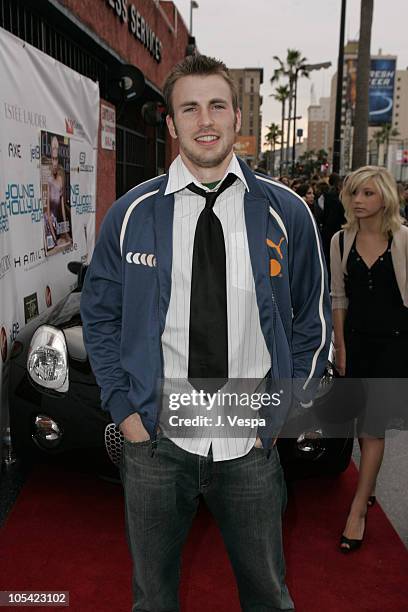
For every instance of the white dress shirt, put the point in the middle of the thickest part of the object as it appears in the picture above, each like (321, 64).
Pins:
(248, 356)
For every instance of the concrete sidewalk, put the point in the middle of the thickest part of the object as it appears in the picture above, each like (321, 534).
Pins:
(392, 484)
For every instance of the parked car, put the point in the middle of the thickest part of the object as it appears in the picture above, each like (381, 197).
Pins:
(55, 407)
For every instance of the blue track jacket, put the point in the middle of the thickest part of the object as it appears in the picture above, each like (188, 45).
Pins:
(127, 291)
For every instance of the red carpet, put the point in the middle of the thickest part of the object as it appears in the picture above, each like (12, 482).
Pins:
(66, 533)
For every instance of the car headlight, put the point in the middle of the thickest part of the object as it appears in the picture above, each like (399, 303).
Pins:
(47, 361)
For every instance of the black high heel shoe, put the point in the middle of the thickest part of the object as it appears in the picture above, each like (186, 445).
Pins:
(352, 545)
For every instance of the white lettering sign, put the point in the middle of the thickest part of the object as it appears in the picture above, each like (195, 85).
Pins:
(108, 127)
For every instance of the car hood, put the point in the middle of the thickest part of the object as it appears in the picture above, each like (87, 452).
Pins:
(65, 316)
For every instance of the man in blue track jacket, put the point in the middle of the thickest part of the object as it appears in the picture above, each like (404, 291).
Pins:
(140, 316)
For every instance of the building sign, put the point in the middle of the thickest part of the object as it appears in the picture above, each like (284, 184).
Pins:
(138, 27)
(108, 127)
(245, 146)
(381, 91)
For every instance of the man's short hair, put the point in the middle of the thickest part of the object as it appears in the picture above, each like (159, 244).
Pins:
(200, 65)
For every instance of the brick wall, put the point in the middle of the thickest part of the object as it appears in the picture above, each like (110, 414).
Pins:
(99, 17)
(105, 178)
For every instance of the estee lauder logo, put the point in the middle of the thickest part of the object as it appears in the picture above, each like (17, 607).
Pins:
(23, 115)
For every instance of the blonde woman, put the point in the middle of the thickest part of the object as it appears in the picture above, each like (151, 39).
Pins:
(370, 313)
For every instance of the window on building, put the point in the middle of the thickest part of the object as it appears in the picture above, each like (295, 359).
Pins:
(26, 23)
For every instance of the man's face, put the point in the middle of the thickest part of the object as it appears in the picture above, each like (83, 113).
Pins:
(204, 120)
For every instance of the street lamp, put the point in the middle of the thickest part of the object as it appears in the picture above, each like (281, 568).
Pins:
(193, 5)
(306, 68)
(339, 92)
(287, 145)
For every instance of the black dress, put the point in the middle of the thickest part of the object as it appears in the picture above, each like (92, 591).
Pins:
(376, 337)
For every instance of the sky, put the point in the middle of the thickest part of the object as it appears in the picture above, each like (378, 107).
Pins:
(248, 33)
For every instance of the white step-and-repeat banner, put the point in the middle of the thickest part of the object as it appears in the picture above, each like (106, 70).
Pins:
(49, 118)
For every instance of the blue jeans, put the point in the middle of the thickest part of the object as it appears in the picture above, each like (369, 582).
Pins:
(247, 497)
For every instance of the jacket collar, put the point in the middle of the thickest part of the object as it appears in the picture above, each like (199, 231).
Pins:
(254, 188)
(179, 176)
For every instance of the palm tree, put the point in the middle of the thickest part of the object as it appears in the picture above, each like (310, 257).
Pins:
(322, 154)
(272, 139)
(290, 68)
(385, 134)
(363, 75)
(308, 161)
(378, 139)
(281, 95)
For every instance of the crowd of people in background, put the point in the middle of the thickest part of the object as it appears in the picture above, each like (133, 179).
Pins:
(322, 194)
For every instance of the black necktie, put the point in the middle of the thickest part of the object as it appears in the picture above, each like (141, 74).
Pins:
(208, 334)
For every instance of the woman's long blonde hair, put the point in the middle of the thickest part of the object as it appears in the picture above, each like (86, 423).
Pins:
(387, 188)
